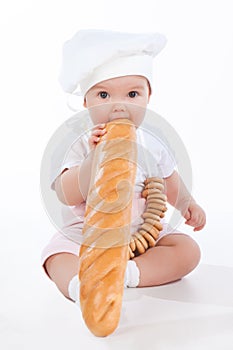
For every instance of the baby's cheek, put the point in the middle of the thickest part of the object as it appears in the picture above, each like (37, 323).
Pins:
(137, 114)
(98, 116)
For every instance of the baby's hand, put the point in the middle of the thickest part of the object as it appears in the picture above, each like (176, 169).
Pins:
(195, 216)
(98, 131)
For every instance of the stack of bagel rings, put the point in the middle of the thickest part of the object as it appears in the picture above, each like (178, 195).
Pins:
(148, 232)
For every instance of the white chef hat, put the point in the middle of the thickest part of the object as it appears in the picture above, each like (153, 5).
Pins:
(92, 56)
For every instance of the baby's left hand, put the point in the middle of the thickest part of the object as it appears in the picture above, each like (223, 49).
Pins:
(195, 216)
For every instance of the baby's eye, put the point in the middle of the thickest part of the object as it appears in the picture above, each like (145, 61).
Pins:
(103, 94)
(133, 94)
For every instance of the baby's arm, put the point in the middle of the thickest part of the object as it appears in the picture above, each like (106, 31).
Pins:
(73, 184)
(181, 199)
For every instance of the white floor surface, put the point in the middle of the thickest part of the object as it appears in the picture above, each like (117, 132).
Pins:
(195, 313)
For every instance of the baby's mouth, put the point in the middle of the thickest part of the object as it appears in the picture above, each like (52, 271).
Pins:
(119, 115)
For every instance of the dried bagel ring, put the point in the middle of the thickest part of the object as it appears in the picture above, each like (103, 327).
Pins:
(154, 236)
(155, 206)
(153, 179)
(150, 239)
(131, 255)
(157, 196)
(158, 225)
(156, 200)
(147, 191)
(141, 239)
(152, 216)
(155, 211)
(155, 223)
(132, 244)
(139, 246)
(148, 227)
(158, 206)
(151, 229)
(156, 185)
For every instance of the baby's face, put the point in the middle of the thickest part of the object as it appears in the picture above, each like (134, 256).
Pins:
(123, 97)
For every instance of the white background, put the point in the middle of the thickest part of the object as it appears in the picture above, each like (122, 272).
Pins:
(193, 88)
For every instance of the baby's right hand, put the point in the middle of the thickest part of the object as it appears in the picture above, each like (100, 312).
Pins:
(99, 130)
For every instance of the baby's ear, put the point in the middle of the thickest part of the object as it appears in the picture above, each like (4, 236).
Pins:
(149, 91)
(85, 103)
(148, 100)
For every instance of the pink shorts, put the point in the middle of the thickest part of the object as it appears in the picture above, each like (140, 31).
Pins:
(60, 243)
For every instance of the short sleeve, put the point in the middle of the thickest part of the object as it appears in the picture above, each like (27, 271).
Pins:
(156, 156)
(167, 162)
(67, 158)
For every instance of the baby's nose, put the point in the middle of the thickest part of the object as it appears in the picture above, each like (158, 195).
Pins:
(119, 107)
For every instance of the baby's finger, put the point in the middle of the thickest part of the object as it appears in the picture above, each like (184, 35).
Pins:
(98, 132)
(187, 215)
(200, 224)
(192, 221)
(99, 126)
(95, 139)
(198, 228)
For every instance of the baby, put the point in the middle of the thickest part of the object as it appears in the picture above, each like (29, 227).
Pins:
(113, 71)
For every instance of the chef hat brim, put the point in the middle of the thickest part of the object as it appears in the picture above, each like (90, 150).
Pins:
(92, 56)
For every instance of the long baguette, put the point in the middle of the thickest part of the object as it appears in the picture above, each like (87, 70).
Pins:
(106, 232)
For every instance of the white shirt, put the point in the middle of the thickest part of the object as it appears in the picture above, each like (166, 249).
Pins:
(154, 159)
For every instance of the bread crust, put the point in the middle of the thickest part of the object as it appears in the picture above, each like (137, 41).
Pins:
(106, 232)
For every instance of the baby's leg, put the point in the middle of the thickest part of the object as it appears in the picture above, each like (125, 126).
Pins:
(61, 268)
(173, 257)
